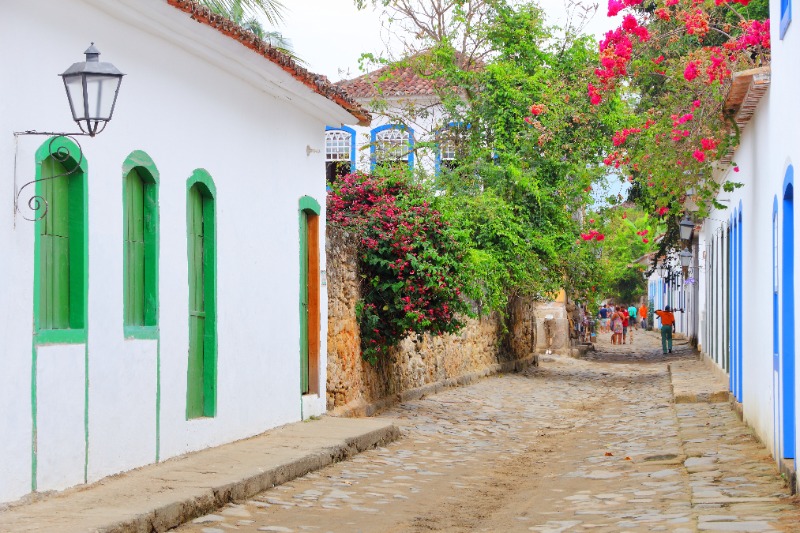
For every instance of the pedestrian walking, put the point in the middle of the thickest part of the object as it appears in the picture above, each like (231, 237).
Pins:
(643, 315)
(667, 327)
(602, 314)
(632, 311)
(625, 324)
(616, 328)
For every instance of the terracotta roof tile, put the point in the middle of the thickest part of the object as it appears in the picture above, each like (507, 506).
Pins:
(317, 83)
(392, 80)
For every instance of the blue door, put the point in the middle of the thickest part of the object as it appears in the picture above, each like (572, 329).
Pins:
(787, 319)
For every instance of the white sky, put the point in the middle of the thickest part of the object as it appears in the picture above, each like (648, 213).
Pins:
(330, 35)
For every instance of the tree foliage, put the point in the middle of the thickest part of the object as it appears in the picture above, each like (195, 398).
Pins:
(673, 61)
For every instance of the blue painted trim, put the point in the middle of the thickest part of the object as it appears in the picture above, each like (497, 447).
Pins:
(740, 307)
(775, 316)
(732, 305)
(787, 322)
(786, 16)
(372, 138)
(352, 133)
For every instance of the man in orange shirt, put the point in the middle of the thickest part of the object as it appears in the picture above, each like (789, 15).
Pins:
(643, 315)
(667, 326)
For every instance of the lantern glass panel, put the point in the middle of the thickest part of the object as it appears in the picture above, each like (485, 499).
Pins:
(74, 85)
(101, 91)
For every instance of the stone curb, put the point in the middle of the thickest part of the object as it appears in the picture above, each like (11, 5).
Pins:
(176, 513)
(358, 408)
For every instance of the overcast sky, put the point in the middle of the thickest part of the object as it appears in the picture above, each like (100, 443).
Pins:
(330, 35)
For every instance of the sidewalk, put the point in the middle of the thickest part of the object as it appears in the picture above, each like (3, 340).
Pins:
(164, 495)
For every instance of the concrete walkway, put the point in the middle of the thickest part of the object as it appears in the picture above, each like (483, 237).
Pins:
(162, 496)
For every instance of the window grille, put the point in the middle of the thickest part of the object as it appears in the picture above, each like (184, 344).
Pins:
(391, 144)
(337, 145)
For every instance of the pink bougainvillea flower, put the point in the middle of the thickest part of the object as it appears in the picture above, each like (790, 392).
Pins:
(708, 143)
(699, 155)
(696, 104)
(645, 240)
(614, 7)
(599, 237)
(594, 95)
(736, 169)
(691, 72)
(663, 211)
(528, 120)
(591, 221)
(537, 109)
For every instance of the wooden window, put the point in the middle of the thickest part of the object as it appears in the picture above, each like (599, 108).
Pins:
(201, 233)
(54, 249)
(134, 253)
(140, 260)
(61, 258)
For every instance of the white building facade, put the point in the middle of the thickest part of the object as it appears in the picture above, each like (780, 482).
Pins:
(171, 294)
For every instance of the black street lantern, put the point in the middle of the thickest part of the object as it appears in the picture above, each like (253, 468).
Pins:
(92, 89)
(686, 257)
(686, 228)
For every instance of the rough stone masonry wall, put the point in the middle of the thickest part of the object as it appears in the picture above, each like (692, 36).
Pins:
(419, 363)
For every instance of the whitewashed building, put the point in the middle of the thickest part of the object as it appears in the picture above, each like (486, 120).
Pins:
(409, 126)
(745, 255)
(169, 295)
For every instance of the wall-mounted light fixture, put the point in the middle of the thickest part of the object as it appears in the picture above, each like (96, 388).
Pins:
(686, 227)
(685, 257)
(92, 88)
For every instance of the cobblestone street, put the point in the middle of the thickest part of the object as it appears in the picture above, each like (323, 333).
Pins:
(596, 444)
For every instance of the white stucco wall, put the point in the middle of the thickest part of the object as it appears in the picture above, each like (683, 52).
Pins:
(192, 98)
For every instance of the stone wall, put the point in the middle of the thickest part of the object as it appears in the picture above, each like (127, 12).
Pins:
(419, 364)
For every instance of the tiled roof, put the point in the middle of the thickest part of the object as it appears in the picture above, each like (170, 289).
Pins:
(317, 83)
(746, 90)
(392, 80)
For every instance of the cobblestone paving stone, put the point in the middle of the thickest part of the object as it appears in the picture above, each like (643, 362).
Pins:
(574, 445)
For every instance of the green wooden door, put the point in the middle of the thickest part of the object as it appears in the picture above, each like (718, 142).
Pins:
(54, 304)
(134, 250)
(195, 400)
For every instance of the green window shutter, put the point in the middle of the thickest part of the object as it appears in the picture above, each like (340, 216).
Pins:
(54, 242)
(196, 371)
(201, 391)
(134, 250)
(150, 226)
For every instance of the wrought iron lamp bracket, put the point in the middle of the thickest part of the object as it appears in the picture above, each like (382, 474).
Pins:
(37, 204)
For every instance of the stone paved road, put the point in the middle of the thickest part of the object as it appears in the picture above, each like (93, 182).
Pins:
(574, 445)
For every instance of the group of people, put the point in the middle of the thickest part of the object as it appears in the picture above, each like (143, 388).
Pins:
(621, 321)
